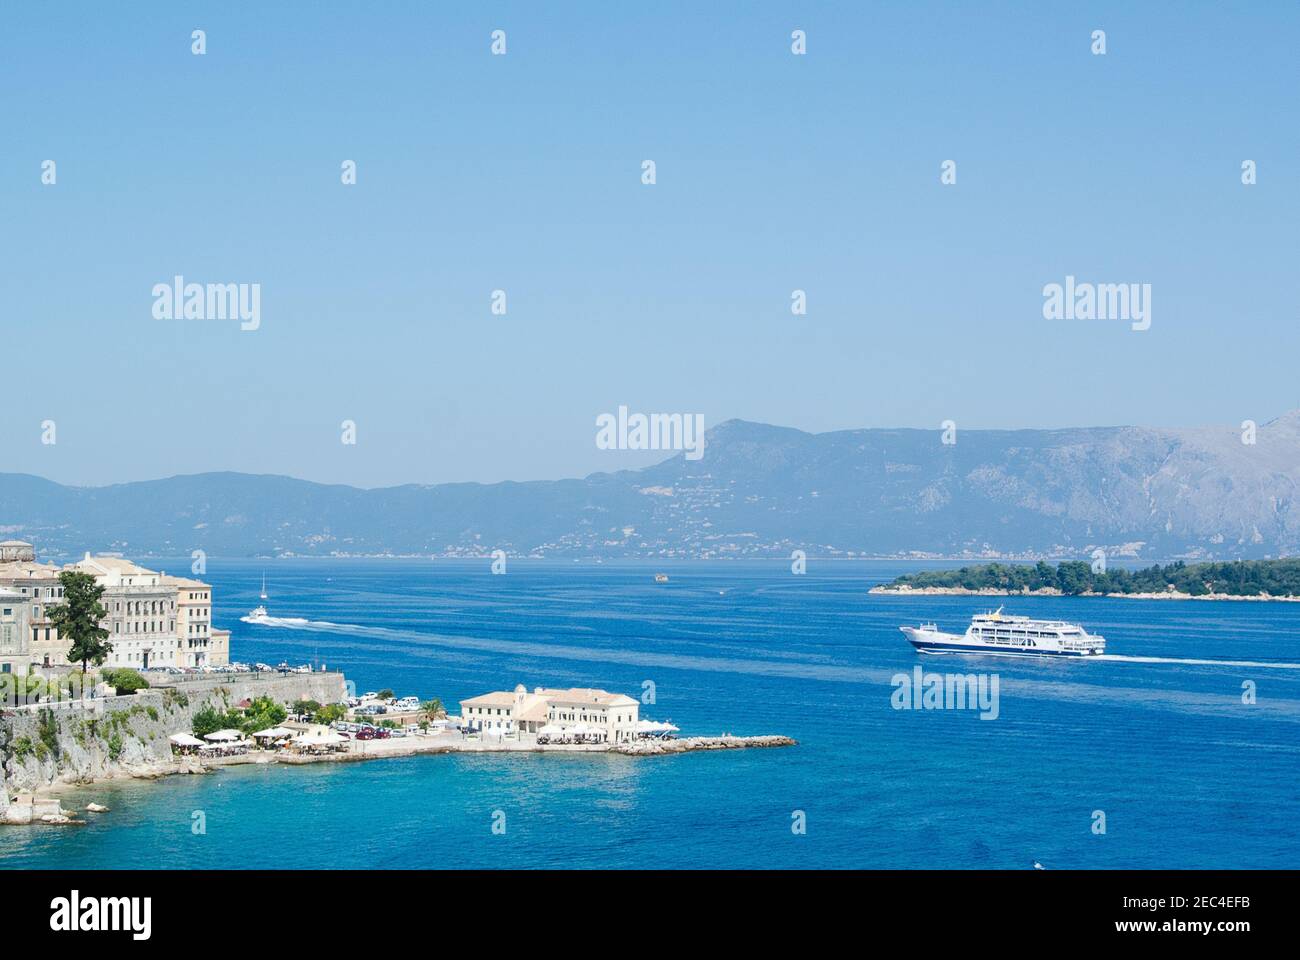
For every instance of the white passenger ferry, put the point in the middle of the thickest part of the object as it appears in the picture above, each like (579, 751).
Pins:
(999, 633)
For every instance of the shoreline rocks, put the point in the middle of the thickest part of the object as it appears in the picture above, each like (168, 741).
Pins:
(28, 808)
(651, 748)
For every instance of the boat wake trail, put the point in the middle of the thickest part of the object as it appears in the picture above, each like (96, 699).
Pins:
(288, 622)
(1115, 657)
(810, 671)
(1101, 690)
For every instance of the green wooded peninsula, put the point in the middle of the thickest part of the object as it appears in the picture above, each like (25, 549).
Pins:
(1237, 578)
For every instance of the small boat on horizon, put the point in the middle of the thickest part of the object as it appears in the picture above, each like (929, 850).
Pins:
(661, 578)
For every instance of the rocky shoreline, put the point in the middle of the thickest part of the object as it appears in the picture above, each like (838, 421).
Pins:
(48, 751)
(658, 748)
(44, 808)
(451, 743)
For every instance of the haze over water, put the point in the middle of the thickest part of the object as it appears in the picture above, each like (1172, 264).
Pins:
(1155, 735)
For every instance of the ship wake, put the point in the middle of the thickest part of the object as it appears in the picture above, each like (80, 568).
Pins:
(1274, 665)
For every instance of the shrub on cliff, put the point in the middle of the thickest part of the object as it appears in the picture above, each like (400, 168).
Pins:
(209, 720)
(48, 730)
(124, 680)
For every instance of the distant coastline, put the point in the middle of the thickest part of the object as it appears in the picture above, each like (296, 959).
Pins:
(1235, 580)
(906, 591)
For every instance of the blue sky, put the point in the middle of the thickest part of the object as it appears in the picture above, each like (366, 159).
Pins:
(522, 172)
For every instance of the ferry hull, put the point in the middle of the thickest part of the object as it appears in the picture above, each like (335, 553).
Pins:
(936, 642)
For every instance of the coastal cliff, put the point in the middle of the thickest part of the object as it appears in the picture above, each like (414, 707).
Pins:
(116, 737)
(75, 743)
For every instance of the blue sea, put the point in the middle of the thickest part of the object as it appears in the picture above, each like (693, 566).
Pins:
(1185, 773)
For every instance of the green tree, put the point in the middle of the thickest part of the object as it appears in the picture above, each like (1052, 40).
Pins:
(432, 710)
(209, 720)
(261, 714)
(331, 713)
(77, 619)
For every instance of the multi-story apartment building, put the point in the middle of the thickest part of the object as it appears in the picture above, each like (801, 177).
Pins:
(15, 631)
(152, 620)
(39, 583)
(141, 620)
(200, 644)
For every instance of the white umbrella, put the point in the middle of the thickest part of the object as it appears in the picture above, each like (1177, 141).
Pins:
(551, 730)
(224, 735)
(327, 738)
(652, 726)
(185, 740)
(273, 733)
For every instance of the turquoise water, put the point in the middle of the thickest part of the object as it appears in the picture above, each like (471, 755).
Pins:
(1187, 775)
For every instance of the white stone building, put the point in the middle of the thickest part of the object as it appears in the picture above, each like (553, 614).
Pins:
(15, 631)
(613, 714)
(152, 620)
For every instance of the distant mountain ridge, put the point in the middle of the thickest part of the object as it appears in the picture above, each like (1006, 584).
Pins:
(759, 491)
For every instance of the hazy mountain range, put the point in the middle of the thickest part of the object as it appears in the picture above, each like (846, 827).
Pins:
(758, 491)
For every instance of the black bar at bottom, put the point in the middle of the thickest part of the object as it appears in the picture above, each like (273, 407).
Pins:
(333, 909)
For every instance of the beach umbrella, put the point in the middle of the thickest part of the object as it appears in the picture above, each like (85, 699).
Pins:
(328, 738)
(273, 733)
(185, 740)
(223, 735)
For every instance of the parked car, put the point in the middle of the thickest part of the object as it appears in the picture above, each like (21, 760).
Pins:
(365, 733)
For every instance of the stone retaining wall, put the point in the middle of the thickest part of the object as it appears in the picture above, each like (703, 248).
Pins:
(128, 736)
